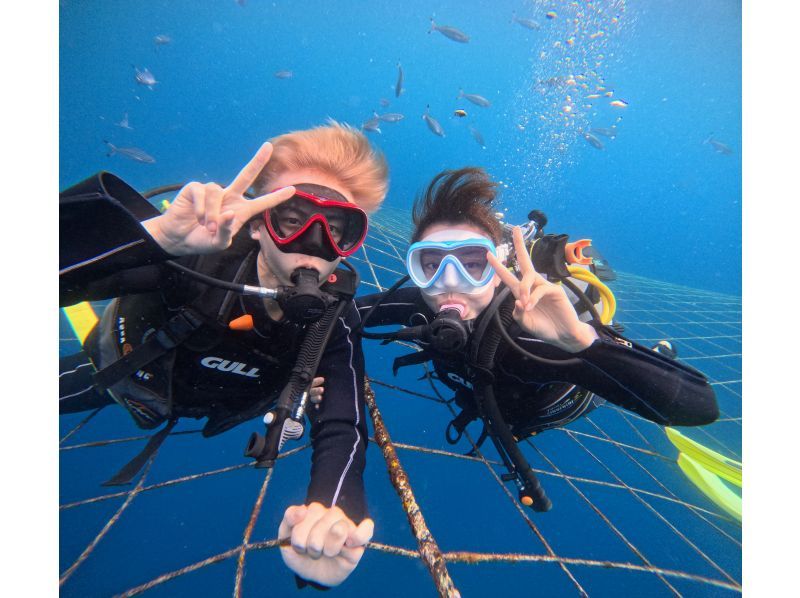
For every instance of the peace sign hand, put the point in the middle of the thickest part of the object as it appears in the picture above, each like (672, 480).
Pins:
(542, 308)
(203, 218)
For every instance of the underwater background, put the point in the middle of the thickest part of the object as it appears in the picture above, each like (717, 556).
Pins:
(620, 120)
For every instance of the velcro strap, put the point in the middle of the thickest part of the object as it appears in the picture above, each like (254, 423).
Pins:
(134, 466)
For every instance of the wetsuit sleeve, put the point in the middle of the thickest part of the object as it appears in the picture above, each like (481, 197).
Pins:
(627, 374)
(338, 426)
(395, 309)
(104, 251)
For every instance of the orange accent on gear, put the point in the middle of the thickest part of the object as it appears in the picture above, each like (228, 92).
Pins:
(526, 500)
(574, 252)
(242, 323)
(332, 278)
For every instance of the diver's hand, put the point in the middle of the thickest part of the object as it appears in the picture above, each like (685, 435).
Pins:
(317, 390)
(541, 307)
(326, 545)
(203, 218)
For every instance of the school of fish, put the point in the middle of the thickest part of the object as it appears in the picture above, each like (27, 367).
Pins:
(575, 94)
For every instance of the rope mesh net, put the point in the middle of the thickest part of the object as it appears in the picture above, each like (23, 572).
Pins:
(624, 514)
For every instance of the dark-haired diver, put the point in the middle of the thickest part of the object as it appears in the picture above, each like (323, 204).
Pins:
(225, 307)
(511, 345)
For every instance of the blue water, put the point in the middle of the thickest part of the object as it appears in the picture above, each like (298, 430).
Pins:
(657, 201)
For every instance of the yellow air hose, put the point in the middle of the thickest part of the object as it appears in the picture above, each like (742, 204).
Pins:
(609, 302)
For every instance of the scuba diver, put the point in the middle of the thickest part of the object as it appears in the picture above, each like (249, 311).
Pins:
(502, 333)
(229, 308)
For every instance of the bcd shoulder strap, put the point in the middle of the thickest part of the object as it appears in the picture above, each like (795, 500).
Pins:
(206, 310)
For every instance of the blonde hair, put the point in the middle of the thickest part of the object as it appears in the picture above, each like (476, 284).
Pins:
(336, 149)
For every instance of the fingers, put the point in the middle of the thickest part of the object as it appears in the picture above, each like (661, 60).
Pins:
(317, 390)
(291, 518)
(248, 174)
(530, 277)
(334, 540)
(353, 548)
(195, 194)
(205, 201)
(315, 394)
(523, 259)
(323, 528)
(536, 296)
(507, 277)
(213, 200)
(265, 202)
(526, 282)
(301, 531)
(362, 534)
(226, 228)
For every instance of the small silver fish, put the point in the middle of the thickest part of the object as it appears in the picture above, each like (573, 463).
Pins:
(474, 98)
(432, 123)
(476, 135)
(124, 123)
(718, 146)
(527, 23)
(384, 102)
(543, 86)
(134, 153)
(145, 77)
(284, 74)
(450, 32)
(593, 141)
(554, 81)
(372, 125)
(162, 40)
(610, 132)
(390, 117)
(398, 87)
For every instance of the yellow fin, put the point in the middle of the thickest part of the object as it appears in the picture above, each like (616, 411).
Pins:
(711, 486)
(727, 469)
(82, 318)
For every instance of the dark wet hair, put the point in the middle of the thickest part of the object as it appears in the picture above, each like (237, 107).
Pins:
(463, 196)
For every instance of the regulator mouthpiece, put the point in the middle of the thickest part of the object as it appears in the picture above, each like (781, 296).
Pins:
(304, 302)
(448, 333)
(457, 307)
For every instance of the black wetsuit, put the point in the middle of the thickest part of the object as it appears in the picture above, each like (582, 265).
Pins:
(218, 372)
(534, 397)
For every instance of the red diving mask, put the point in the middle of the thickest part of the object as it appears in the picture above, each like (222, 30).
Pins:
(316, 226)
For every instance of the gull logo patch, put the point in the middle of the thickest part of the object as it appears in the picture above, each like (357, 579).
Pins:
(224, 365)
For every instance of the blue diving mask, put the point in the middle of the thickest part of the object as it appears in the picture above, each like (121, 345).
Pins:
(451, 266)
